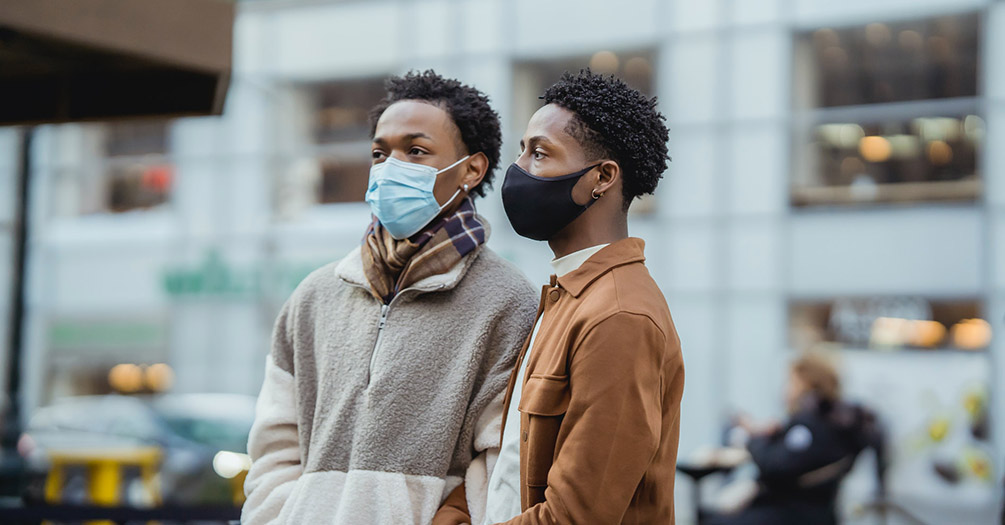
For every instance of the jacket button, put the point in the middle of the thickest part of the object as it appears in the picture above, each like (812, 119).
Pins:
(554, 295)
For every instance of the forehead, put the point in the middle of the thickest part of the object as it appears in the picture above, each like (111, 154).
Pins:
(551, 121)
(407, 117)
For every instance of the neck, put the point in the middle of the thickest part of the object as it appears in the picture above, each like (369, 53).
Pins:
(577, 237)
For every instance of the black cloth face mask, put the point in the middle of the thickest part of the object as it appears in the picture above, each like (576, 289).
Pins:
(539, 207)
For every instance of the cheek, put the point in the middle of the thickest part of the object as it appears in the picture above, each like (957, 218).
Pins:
(446, 185)
(582, 192)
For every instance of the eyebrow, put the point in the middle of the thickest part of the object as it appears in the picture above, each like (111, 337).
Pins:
(535, 139)
(411, 136)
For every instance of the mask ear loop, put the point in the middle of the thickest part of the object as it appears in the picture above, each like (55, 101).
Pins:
(456, 193)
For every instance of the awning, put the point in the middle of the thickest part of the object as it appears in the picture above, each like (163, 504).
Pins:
(78, 60)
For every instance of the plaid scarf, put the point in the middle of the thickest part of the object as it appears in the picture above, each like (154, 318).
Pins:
(393, 265)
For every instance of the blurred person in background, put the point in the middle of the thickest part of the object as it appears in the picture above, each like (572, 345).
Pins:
(383, 389)
(802, 462)
(592, 408)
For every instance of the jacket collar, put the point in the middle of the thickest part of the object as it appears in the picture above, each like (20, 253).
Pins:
(625, 251)
(350, 270)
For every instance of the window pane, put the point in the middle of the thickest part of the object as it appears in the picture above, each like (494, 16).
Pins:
(877, 63)
(889, 113)
(135, 186)
(889, 323)
(342, 109)
(135, 173)
(920, 159)
(343, 181)
(335, 164)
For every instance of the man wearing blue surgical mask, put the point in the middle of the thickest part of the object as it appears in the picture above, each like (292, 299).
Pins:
(383, 390)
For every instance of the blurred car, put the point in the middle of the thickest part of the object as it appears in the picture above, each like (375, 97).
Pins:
(202, 439)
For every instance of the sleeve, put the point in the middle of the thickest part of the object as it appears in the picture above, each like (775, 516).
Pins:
(611, 431)
(466, 503)
(274, 443)
(454, 510)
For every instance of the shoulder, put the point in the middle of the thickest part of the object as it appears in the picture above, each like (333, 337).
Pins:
(322, 284)
(628, 294)
(495, 276)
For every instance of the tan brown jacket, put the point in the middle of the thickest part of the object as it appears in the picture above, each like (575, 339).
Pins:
(600, 406)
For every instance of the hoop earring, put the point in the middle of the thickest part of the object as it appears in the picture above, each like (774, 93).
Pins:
(594, 194)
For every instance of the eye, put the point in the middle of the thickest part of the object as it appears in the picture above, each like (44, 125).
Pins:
(376, 154)
(416, 151)
(537, 155)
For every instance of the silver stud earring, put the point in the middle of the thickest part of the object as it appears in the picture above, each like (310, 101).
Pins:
(465, 187)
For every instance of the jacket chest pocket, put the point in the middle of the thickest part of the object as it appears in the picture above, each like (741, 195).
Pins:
(543, 404)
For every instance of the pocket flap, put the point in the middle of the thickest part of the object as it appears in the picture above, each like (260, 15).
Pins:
(545, 396)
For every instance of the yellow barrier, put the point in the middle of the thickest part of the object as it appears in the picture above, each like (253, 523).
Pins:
(104, 473)
(237, 488)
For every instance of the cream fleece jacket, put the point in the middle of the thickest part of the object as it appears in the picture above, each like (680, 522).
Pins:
(373, 414)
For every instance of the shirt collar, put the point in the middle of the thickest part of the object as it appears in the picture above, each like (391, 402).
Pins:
(574, 260)
(625, 251)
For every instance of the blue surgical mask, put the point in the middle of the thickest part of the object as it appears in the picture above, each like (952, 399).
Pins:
(400, 195)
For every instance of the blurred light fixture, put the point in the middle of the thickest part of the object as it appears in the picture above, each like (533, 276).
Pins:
(126, 378)
(229, 464)
(850, 135)
(937, 128)
(939, 152)
(971, 334)
(875, 148)
(897, 332)
(927, 334)
(973, 128)
(888, 332)
(159, 377)
(841, 135)
(826, 37)
(904, 146)
(604, 62)
(835, 57)
(911, 40)
(638, 67)
(878, 34)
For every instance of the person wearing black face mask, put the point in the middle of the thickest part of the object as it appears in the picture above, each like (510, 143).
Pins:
(591, 418)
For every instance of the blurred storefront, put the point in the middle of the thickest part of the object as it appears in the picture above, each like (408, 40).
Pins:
(835, 183)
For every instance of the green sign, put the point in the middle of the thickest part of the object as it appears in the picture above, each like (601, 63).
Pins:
(107, 334)
(216, 277)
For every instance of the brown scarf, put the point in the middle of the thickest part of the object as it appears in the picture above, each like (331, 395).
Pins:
(393, 265)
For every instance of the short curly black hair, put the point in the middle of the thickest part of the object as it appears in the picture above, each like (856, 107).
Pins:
(615, 121)
(468, 107)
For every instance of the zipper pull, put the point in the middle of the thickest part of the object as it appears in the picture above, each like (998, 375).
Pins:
(383, 316)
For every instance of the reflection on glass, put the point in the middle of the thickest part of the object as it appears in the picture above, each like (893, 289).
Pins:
(876, 63)
(889, 113)
(889, 323)
(894, 161)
